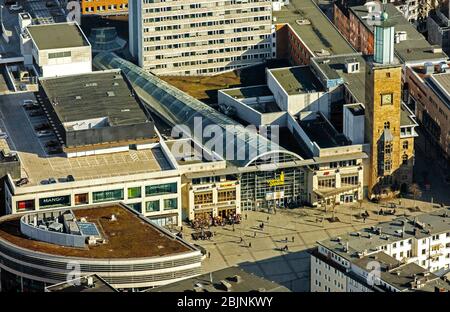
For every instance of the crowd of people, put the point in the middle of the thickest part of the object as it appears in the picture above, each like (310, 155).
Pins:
(207, 221)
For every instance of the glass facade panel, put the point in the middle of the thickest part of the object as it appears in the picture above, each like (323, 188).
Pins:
(137, 207)
(161, 189)
(152, 206)
(82, 199)
(134, 192)
(98, 197)
(170, 204)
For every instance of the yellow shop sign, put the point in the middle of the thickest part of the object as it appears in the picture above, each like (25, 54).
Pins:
(276, 182)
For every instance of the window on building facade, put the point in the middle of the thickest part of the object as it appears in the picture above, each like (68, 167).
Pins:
(82, 199)
(134, 192)
(98, 197)
(171, 203)
(161, 189)
(152, 206)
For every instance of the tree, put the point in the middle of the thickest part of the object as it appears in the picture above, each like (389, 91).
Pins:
(415, 190)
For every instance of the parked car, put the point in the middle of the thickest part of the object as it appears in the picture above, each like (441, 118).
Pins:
(22, 181)
(44, 126)
(52, 143)
(44, 133)
(70, 178)
(28, 102)
(16, 7)
(31, 107)
(36, 113)
(52, 180)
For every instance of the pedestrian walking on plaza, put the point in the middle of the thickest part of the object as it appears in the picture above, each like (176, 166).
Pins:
(209, 255)
(245, 216)
(364, 219)
(293, 238)
(254, 234)
(233, 227)
(241, 240)
(268, 218)
(250, 245)
(285, 240)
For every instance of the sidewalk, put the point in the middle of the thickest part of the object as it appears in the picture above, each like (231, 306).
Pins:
(305, 226)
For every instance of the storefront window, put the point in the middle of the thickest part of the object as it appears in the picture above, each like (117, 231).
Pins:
(134, 192)
(152, 206)
(161, 189)
(99, 197)
(54, 202)
(171, 203)
(137, 207)
(203, 198)
(82, 199)
(226, 195)
(25, 205)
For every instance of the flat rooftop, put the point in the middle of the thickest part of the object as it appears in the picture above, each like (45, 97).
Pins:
(407, 117)
(371, 239)
(187, 152)
(319, 34)
(440, 83)
(356, 109)
(415, 47)
(334, 68)
(45, 12)
(238, 279)
(321, 131)
(129, 237)
(94, 95)
(37, 165)
(57, 36)
(99, 285)
(296, 80)
(248, 92)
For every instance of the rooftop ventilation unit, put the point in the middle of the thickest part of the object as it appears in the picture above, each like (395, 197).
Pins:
(443, 67)
(400, 36)
(303, 21)
(226, 285)
(352, 67)
(90, 281)
(323, 52)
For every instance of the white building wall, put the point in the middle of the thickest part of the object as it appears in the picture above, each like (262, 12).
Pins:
(325, 278)
(66, 69)
(74, 188)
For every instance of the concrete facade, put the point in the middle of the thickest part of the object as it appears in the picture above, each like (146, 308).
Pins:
(200, 37)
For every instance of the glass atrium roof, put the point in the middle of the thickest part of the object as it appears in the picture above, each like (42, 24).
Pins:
(215, 131)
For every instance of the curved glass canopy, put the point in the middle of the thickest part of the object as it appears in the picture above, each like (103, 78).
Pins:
(215, 131)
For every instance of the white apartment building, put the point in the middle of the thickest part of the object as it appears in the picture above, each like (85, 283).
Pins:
(402, 255)
(202, 37)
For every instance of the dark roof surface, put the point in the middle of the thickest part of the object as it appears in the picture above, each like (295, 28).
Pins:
(246, 282)
(94, 95)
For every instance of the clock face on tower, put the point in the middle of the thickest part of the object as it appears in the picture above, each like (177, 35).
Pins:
(386, 99)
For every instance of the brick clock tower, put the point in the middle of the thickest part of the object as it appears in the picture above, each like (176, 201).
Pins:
(388, 168)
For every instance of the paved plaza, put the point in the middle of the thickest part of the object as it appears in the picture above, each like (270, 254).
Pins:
(301, 227)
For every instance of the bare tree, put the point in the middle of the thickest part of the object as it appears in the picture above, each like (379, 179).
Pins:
(415, 190)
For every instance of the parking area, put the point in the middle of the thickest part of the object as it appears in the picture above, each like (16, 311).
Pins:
(39, 164)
